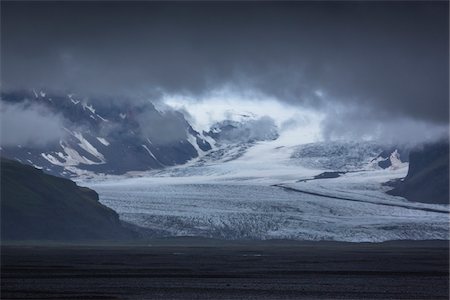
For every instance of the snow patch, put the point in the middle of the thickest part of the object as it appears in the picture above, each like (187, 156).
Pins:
(193, 141)
(89, 107)
(103, 141)
(71, 157)
(101, 118)
(73, 100)
(51, 159)
(150, 152)
(84, 144)
(396, 163)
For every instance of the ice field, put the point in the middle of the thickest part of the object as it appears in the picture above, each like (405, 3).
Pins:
(267, 191)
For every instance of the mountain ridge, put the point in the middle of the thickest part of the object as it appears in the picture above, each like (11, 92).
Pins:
(106, 137)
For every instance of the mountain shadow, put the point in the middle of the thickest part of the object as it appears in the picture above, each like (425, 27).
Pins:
(37, 206)
(428, 175)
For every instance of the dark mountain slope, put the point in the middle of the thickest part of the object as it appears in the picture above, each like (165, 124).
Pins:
(104, 135)
(428, 175)
(37, 206)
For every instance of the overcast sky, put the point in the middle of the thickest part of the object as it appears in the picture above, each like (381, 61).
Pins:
(360, 61)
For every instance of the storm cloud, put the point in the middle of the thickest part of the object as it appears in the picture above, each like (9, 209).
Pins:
(390, 59)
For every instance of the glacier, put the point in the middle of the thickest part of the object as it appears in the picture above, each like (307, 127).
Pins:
(267, 190)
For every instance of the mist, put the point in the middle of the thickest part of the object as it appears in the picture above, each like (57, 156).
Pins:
(370, 69)
(29, 124)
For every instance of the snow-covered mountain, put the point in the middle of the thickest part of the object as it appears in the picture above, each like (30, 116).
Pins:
(248, 130)
(103, 136)
(349, 155)
(114, 137)
(239, 179)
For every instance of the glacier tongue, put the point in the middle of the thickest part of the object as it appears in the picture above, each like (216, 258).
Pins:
(235, 211)
(256, 192)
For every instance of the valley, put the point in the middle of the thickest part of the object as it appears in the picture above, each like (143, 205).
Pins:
(262, 194)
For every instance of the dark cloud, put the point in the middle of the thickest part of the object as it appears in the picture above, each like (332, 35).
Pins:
(388, 57)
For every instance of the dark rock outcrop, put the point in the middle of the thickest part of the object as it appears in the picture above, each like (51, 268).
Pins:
(428, 175)
(37, 206)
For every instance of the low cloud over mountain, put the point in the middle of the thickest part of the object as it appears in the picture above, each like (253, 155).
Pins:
(389, 58)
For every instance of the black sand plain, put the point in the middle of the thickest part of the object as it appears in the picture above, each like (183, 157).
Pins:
(192, 268)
